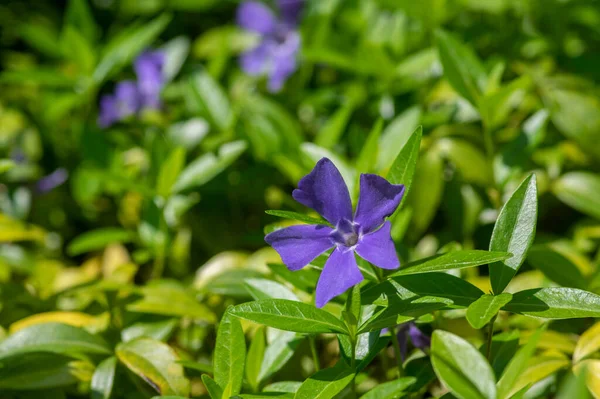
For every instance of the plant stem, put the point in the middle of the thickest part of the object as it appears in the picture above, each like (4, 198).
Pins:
(313, 348)
(489, 338)
(353, 366)
(397, 350)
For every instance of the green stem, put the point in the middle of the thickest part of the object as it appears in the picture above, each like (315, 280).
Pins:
(353, 366)
(397, 350)
(313, 348)
(489, 338)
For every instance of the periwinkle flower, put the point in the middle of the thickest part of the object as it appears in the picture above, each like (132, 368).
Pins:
(416, 336)
(122, 104)
(150, 79)
(365, 233)
(51, 181)
(276, 53)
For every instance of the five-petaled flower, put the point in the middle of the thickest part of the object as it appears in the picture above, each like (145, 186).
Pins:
(366, 232)
(275, 55)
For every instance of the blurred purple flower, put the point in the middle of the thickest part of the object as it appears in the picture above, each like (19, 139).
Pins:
(150, 80)
(276, 54)
(51, 181)
(411, 331)
(124, 103)
(366, 232)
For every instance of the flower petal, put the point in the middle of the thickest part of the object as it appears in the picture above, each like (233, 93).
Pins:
(255, 61)
(299, 245)
(108, 111)
(378, 248)
(378, 200)
(340, 273)
(256, 17)
(325, 191)
(418, 339)
(284, 61)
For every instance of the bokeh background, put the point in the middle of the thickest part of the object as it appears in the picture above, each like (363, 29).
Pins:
(99, 183)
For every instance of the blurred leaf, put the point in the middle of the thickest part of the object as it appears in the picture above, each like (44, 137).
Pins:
(176, 51)
(399, 312)
(211, 98)
(290, 316)
(6, 165)
(158, 330)
(261, 288)
(461, 368)
(468, 159)
(395, 136)
(297, 216)
(98, 239)
(368, 155)
(588, 343)
(402, 170)
(329, 135)
(214, 390)
(80, 16)
(540, 367)
(169, 171)
(278, 353)
(426, 191)
(555, 303)
(103, 379)
(79, 50)
(55, 338)
(40, 76)
(580, 190)
(496, 107)
(462, 68)
(255, 357)
(37, 371)
(450, 261)
(41, 37)
(390, 390)
(207, 166)
(170, 301)
(122, 49)
(514, 232)
(485, 308)
(156, 363)
(556, 266)
(230, 354)
(75, 319)
(516, 366)
(326, 383)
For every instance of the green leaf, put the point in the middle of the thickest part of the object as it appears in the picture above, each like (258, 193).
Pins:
(98, 239)
(103, 379)
(6, 165)
(159, 330)
(121, 50)
(155, 363)
(214, 390)
(283, 386)
(469, 160)
(555, 303)
(80, 16)
(462, 68)
(36, 371)
(451, 261)
(516, 366)
(169, 171)
(198, 366)
(211, 98)
(399, 312)
(540, 367)
(485, 308)
(461, 368)
(261, 288)
(297, 216)
(255, 357)
(53, 338)
(229, 356)
(368, 155)
(207, 166)
(402, 170)
(333, 129)
(395, 136)
(426, 191)
(504, 347)
(368, 346)
(514, 232)
(278, 353)
(581, 191)
(390, 390)
(176, 52)
(290, 316)
(326, 383)
(588, 343)
(556, 266)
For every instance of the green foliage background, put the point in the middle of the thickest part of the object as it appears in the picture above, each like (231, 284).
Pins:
(113, 284)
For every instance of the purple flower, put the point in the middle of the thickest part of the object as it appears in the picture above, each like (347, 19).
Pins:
(124, 103)
(275, 55)
(51, 181)
(150, 80)
(418, 339)
(366, 232)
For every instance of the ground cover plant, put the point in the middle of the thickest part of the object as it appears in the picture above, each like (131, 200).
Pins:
(299, 199)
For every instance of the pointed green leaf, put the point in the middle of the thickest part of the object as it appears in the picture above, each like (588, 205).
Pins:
(403, 168)
(461, 368)
(451, 261)
(368, 155)
(326, 383)
(230, 354)
(330, 133)
(297, 216)
(290, 316)
(555, 303)
(581, 191)
(514, 232)
(254, 360)
(485, 308)
(395, 136)
(390, 390)
(169, 171)
(214, 390)
(104, 378)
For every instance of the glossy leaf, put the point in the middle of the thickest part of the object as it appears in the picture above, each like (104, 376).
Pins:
(451, 261)
(155, 363)
(290, 316)
(390, 390)
(514, 232)
(556, 266)
(255, 357)
(230, 354)
(555, 303)
(461, 368)
(214, 390)
(297, 216)
(395, 136)
(103, 379)
(402, 170)
(326, 383)
(485, 308)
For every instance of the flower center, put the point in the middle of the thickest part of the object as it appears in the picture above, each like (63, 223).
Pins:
(346, 233)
